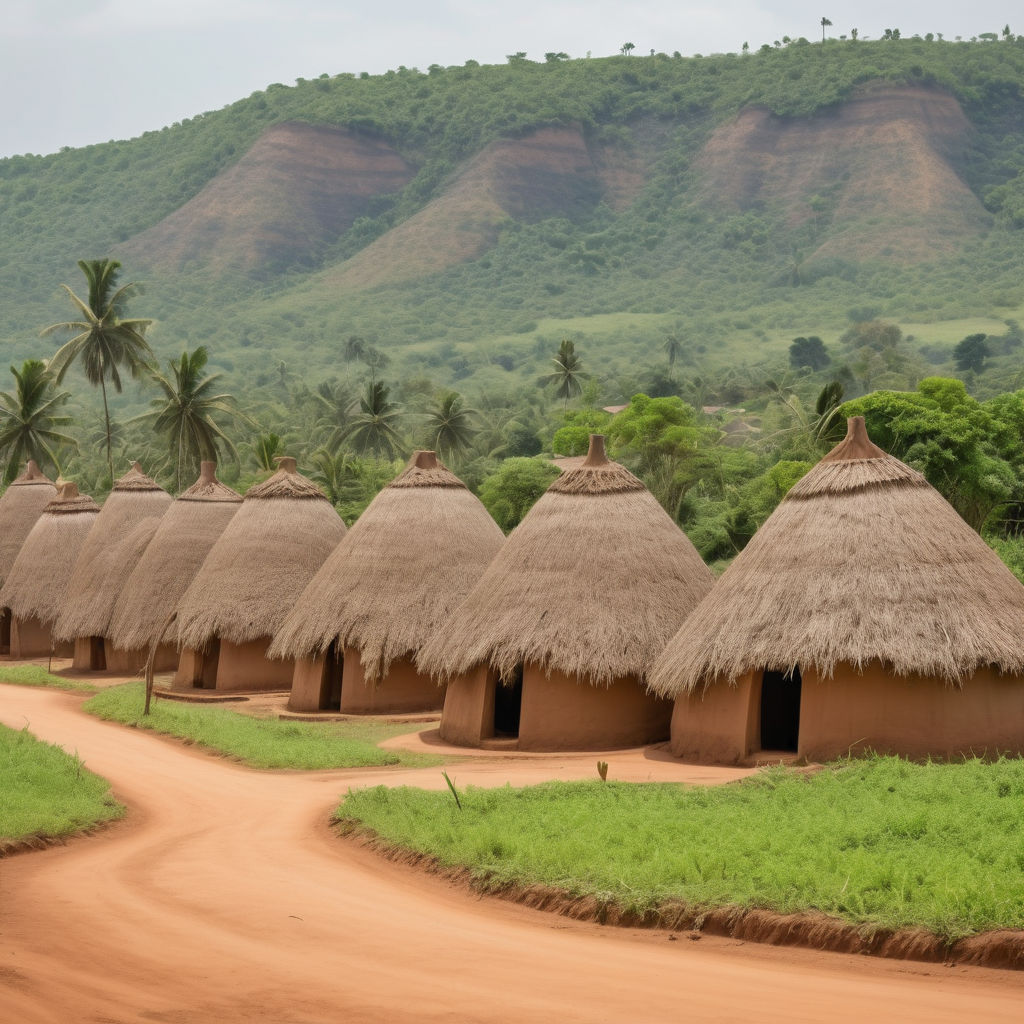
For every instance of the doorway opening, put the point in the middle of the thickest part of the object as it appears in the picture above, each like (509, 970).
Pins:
(207, 660)
(5, 630)
(780, 710)
(330, 680)
(508, 702)
(97, 655)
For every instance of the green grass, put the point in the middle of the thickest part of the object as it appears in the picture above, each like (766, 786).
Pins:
(258, 742)
(47, 794)
(878, 842)
(36, 675)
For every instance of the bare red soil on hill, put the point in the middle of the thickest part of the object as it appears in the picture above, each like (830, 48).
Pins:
(223, 897)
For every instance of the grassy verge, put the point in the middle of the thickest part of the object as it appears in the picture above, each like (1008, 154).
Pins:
(47, 794)
(258, 742)
(36, 675)
(880, 843)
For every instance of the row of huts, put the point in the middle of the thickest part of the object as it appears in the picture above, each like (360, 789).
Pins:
(864, 614)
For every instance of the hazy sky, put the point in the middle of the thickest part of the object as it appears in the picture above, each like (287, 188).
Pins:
(76, 72)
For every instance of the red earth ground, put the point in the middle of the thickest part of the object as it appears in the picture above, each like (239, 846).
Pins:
(223, 897)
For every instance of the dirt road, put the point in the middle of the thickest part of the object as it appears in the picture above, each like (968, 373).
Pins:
(224, 898)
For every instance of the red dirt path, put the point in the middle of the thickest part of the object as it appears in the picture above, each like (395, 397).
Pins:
(224, 898)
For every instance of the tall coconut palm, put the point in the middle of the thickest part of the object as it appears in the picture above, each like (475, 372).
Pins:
(450, 424)
(103, 339)
(29, 417)
(375, 427)
(334, 406)
(266, 449)
(186, 413)
(568, 375)
(332, 471)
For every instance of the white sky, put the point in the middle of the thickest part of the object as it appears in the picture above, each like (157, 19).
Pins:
(77, 72)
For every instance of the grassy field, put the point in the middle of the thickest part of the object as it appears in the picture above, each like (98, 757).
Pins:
(47, 793)
(36, 675)
(258, 743)
(878, 842)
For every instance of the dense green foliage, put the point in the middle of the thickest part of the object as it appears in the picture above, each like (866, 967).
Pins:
(48, 794)
(257, 742)
(879, 842)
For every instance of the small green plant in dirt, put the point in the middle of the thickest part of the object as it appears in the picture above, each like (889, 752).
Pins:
(259, 742)
(47, 793)
(36, 675)
(879, 842)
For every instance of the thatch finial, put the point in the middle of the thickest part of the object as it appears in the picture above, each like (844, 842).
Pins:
(287, 464)
(596, 454)
(32, 470)
(208, 472)
(137, 466)
(856, 444)
(425, 459)
(68, 490)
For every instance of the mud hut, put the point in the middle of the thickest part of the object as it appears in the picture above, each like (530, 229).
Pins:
(20, 506)
(551, 649)
(255, 572)
(37, 582)
(183, 539)
(118, 537)
(864, 614)
(410, 559)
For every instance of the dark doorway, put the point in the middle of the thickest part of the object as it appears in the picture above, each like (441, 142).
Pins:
(330, 681)
(780, 710)
(205, 677)
(5, 630)
(508, 702)
(97, 655)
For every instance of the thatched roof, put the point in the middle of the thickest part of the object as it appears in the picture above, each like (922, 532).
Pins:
(37, 582)
(109, 555)
(592, 583)
(410, 559)
(266, 556)
(20, 506)
(184, 537)
(862, 561)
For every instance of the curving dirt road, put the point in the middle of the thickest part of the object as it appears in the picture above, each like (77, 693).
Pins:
(224, 898)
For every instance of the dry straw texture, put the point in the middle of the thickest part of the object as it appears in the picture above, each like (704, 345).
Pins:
(400, 572)
(266, 556)
(592, 583)
(862, 561)
(21, 505)
(36, 585)
(182, 541)
(109, 555)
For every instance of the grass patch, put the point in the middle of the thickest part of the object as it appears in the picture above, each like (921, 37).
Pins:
(48, 794)
(258, 742)
(878, 842)
(36, 675)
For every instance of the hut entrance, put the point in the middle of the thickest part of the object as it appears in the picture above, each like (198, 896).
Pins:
(508, 701)
(207, 660)
(5, 630)
(780, 710)
(97, 655)
(330, 681)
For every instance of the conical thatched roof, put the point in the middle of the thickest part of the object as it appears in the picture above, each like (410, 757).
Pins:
(20, 506)
(401, 570)
(109, 555)
(862, 561)
(184, 537)
(593, 582)
(36, 585)
(261, 563)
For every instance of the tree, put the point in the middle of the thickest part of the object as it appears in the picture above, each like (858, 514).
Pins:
(971, 353)
(627, 48)
(574, 437)
(510, 493)
(808, 352)
(568, 375)
(374, 427)
(825, 23)
(450, 424)
(334, 404)
(187, 412)
(332, 471)
(104, 340)
(673, 348)
(29, 417)
(266, 448)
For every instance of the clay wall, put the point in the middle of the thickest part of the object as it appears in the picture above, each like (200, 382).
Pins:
(719, 725)
(246, 667)
(468, 715)
(30, 638)
(402, 689)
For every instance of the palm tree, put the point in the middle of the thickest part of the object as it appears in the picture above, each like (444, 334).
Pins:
(334, 405)
(568, 374)
(673, 347)
(103, 339)
(186, 413)
(451, 426)
(29, 416)
(332, 472)
(374, 427)
(266, 448)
